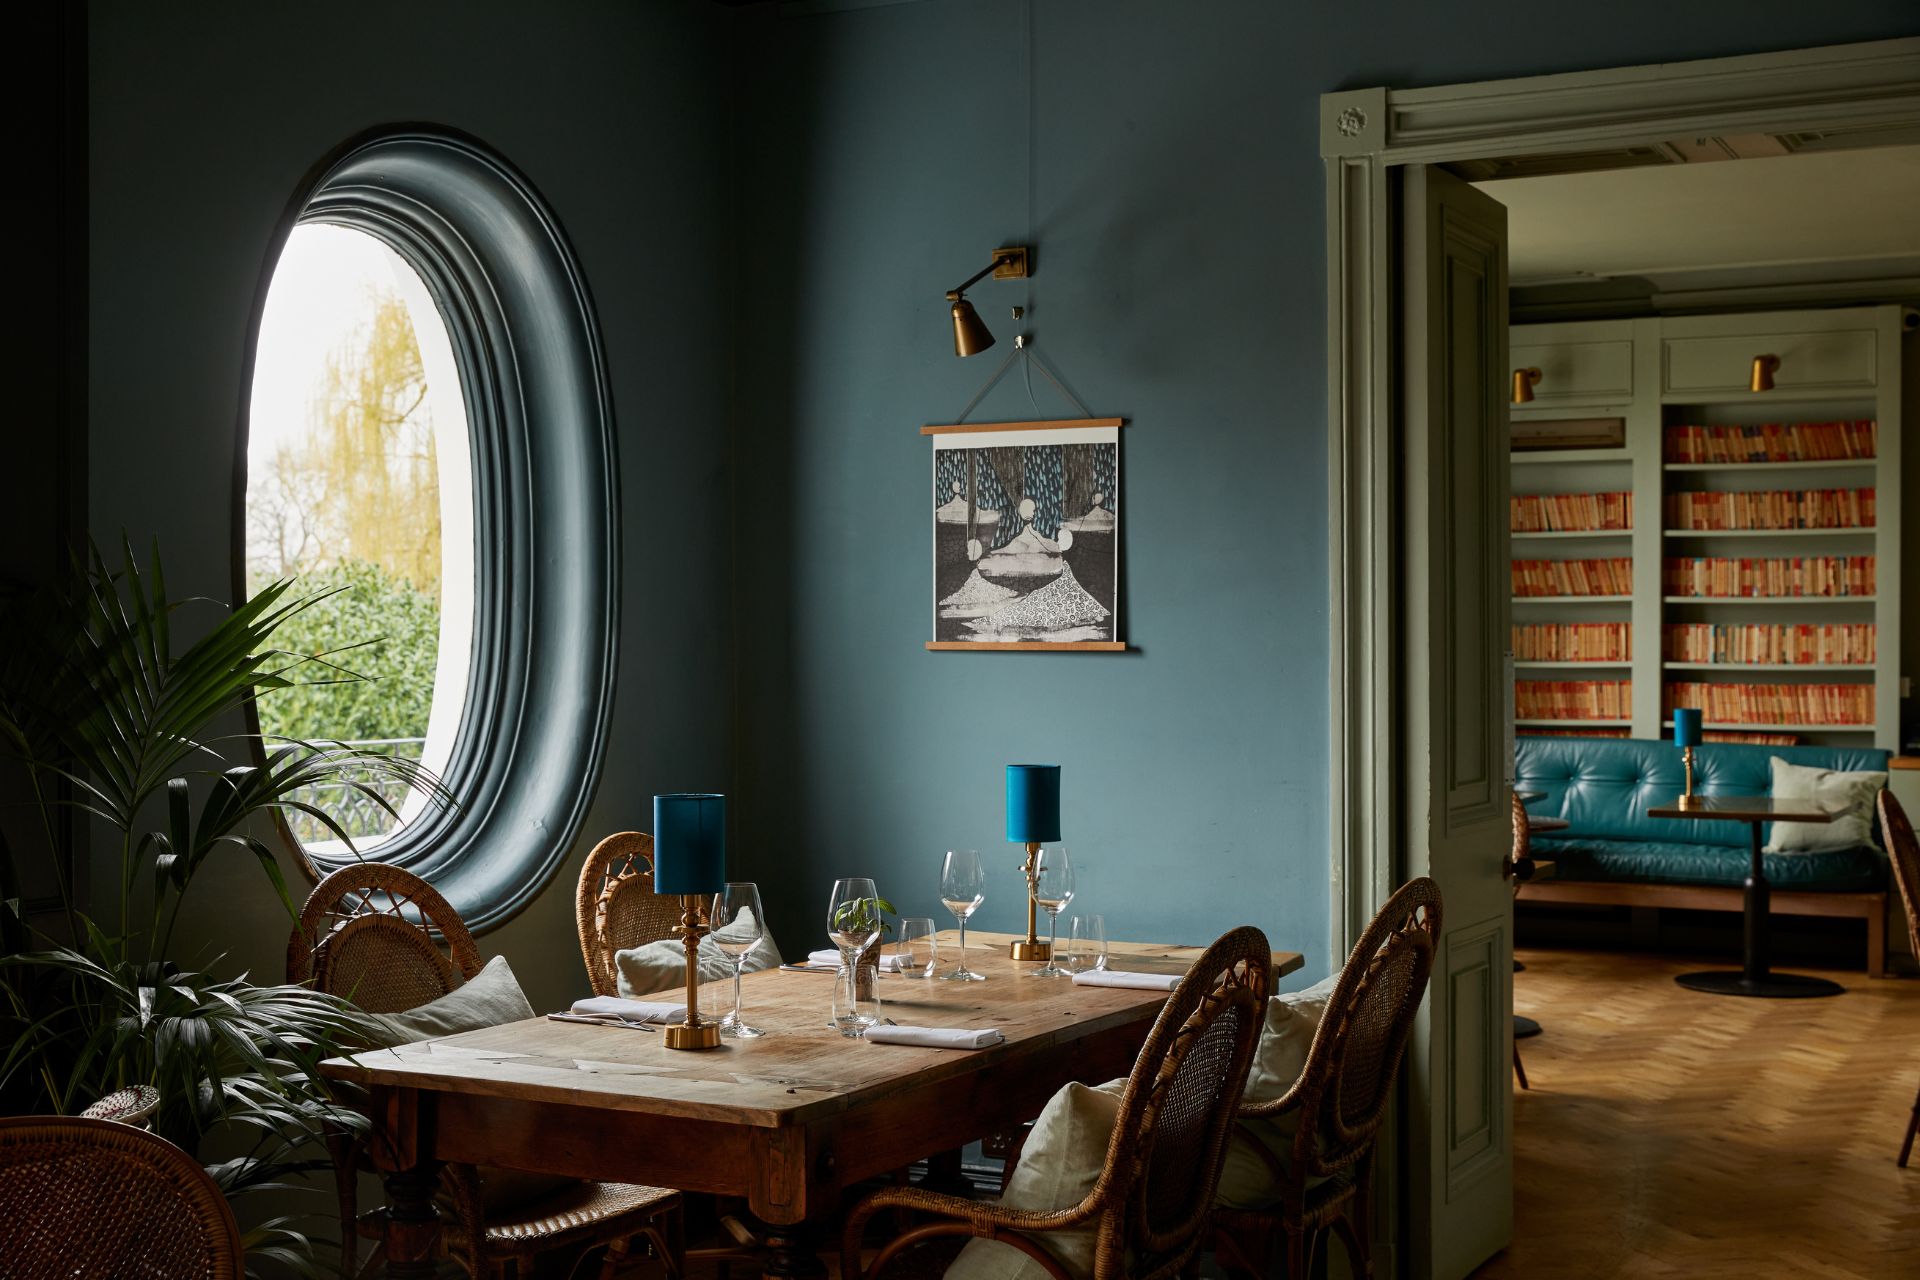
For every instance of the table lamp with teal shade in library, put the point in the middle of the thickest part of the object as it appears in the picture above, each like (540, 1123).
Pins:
(1033, 817)
(690, 859)
(1686, 736)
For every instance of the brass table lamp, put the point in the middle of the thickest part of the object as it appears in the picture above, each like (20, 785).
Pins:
(690, 859)
(1033, 817)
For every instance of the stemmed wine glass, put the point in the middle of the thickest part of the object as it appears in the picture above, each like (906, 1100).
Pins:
(737, 924)
(853, 925)
(1053, 892)
(962, 880)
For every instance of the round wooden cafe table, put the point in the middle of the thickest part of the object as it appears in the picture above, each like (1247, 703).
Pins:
(1754, 977)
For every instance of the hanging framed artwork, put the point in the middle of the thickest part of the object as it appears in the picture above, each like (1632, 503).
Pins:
(1026, 535)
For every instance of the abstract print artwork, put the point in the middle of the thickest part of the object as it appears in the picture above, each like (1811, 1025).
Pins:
(1026, 534)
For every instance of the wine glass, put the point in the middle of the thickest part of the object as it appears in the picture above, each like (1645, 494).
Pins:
(853, 925)
(737, 924)
(1053, 891)
(962, 880)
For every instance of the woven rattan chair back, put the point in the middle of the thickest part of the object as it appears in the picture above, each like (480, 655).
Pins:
(1348, 1078)
(1170, 1136)
(1522, 839)
(91, 1197)
(366, 935)
(616, 907)
(1904, 851)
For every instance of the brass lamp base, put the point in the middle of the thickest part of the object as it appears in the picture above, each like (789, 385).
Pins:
(693, 1033)
(705, 1035)
(1690, 802)
(1024, 950)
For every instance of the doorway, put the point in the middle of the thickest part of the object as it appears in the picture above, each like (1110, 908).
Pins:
(1372, 141)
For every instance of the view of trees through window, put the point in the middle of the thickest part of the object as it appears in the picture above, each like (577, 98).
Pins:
(346, 466)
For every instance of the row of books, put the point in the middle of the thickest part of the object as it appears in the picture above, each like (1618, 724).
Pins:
(1611, 577)
(1570, 512)
(1754, 737)
(1850, 704)
(1772, 509)
(1726, 576)
(1772, 644)
(1773, 442)
(1573, 699)
(1573, 642)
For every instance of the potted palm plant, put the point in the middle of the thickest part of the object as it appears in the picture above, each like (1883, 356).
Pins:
(117, 730)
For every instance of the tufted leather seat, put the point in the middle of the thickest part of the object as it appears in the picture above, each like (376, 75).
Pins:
(1604, 786)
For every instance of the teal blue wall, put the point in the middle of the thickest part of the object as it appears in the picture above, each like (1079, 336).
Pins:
(768, 210)
(1176, 211)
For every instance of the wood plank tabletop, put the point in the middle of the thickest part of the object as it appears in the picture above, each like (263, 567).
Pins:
(1744, 809)
(802, 1071)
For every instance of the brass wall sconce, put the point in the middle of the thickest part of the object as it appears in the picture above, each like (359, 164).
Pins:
(1523, 384)
(970, 333)
(1763, 369)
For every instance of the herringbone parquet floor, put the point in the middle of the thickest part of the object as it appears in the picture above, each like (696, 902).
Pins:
(1672, 1133)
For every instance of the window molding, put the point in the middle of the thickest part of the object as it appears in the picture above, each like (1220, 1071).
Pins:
(540, 685)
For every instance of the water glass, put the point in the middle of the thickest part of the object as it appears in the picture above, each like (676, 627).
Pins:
(918, 953)
(1087, 945)
(853, 1013)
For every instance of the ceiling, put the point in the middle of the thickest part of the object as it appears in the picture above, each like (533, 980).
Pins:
(1856, 212)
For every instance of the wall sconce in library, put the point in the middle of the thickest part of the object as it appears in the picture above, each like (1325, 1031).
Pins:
(1763, 367)
(1523, 384)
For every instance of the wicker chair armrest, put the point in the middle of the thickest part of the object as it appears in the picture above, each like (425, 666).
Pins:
(1271, 1110)
(985, 1219)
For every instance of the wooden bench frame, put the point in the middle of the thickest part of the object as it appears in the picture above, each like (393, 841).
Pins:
(1871, 907)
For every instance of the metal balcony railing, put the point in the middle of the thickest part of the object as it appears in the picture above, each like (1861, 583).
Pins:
(355, 811)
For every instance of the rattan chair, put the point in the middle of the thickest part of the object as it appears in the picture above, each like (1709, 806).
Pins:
(1340, 1097)
(366, 934)
(1904, 851)
(616, 907)
(1520, 867)
(89, 1197)
(1149, 1208)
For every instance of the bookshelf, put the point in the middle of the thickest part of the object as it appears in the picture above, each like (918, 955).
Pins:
(1781, 521)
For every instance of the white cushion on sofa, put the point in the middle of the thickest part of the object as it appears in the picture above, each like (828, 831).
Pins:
(1850, 795)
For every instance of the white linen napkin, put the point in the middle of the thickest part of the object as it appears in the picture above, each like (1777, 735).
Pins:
(889, 962)
(1131, 981)
(629, 1010)
(936, 1037)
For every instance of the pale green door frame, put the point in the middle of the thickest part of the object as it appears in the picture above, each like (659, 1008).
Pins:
(1856, 94)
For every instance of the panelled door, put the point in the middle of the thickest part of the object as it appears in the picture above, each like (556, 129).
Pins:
(1454, 594)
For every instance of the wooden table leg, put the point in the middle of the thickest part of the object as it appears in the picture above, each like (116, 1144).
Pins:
(413, 1222)
(790, 1253)
(946, 1174)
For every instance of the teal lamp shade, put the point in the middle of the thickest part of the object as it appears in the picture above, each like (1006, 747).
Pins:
(1033, 803)
(689, 843)
(1686, 726)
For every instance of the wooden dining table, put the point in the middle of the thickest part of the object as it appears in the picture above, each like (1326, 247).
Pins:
(785, 1122)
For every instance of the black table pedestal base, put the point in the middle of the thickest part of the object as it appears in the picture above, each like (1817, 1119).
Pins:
(1524, 1026)
(1777, 986)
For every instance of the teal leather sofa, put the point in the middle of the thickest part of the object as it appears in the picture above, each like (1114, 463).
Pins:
(1612, 852)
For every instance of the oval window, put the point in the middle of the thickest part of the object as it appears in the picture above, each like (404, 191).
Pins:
(359, 486)
(430, 433)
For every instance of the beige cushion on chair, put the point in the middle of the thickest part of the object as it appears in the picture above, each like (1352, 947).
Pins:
(1246, 1179)
(1059, 1165)
(659, 966)
(489, 999)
